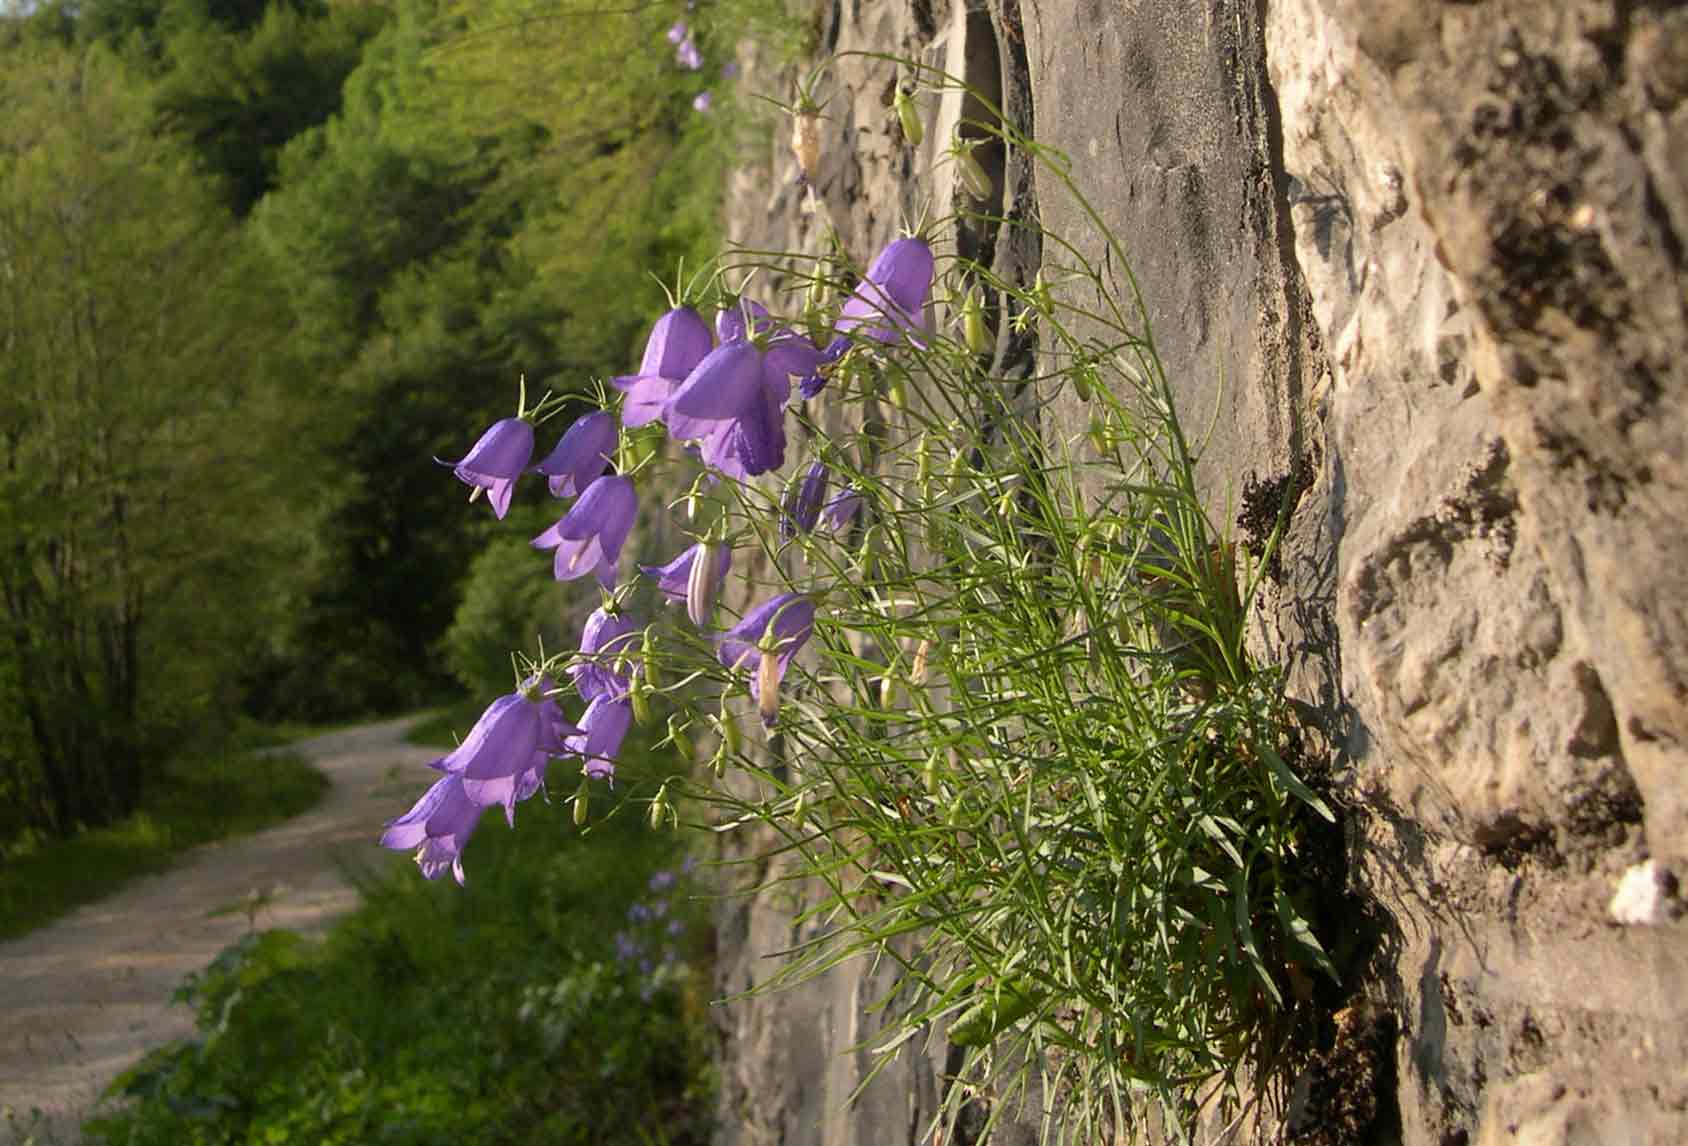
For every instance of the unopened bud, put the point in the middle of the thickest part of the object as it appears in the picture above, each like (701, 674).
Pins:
(650, 658)
(731, 738)
(887, 689)
(660, 809)
(1099, 433)
(914, 130)
(703, 582)
(768, 688)
(639, 699)
(580, 804)
(917, 673)
(973, 322)
(682, 740)
(1084, 381)
(806, 142)
(929, 774)
(895, 394)
(973, 178)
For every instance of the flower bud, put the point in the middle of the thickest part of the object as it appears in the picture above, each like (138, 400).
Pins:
(639, 699)
(649, 658)
(1083, 378)
(914, 130)
(660, 809)
(703, 582)
(887, 690)
(895, 394)
(806, 142)
(973, 178)
(768, 688)
(917, 674)
(929, 774)
(580, 803)
(973, 322)
(682, 740)
(730, 736)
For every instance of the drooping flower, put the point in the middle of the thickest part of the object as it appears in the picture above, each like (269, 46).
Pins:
(694, 581)
(802, 506)
(703, 101)
(733, 403)
(582, 455)
(766, 639)
(503, 758)
(678, 342)
(841, 508)
(496, 461)
(605, 637)
(438, 825)
(888, 305)
(677, 33)
(688, 56)
(603, 727)
(589, 537)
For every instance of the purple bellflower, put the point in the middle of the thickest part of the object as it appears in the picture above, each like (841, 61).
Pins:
(803, 502)
(767, 638)
(888, 305)
(688, 56)
(678, 342)
(603, 727)
(503, 758)
(733, 403)
(605, 637)
(582, 456)
(589, 537)
(703, 101)
(686, 579)
(438, 825)
(496, 461)
(677, 33)
(841, 508)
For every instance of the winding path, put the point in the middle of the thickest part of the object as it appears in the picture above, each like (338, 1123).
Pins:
(84, 997)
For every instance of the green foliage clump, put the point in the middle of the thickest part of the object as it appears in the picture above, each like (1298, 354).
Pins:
(505, 606)
(503, 1012)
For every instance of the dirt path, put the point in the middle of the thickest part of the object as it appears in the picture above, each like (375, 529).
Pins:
(84, 997)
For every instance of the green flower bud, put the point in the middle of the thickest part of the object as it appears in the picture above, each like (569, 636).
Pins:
(895, 394)
(580, 809)
(639, 699)
(909, 116)
(973, 322)
(973, 178)
(682, 740)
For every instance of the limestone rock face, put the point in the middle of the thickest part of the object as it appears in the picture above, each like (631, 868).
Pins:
(1482, 204)
(1419, 264)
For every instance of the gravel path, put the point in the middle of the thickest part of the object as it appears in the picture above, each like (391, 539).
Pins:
(83, 998)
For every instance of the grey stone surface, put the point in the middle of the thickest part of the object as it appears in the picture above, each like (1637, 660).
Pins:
(1421, 262)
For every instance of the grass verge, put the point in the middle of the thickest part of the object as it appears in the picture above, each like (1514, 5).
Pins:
(194, 801)
(553, 999)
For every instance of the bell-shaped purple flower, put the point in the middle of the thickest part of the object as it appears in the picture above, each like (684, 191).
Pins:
(503, 758)
(703, 101)
(496, 461)
(802, 506)
(590, 535)
(888, 305)
(765, 641)
(694, 577)
(733, 403)
(605, 637)
(677, 33)
(582, 455)
(687, 55)
(678, 342)
(841, 508)
(438, 825)
(603, 727)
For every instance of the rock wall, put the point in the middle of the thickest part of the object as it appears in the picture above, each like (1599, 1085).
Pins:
(1420, 263)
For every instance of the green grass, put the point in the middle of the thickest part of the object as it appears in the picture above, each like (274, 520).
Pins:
(194, 801)
(498, 1012)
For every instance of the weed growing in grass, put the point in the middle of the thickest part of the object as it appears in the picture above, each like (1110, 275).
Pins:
(1009, 703)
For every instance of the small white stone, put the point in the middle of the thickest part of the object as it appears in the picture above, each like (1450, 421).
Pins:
(1646, 896)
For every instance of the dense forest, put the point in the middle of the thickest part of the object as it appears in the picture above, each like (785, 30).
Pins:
(261, 264)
